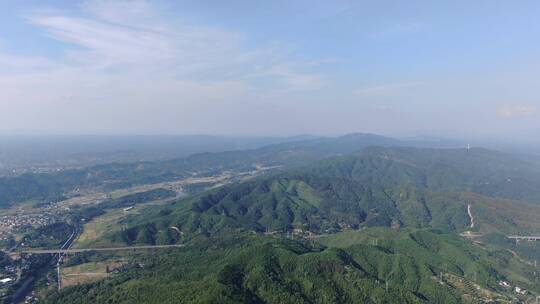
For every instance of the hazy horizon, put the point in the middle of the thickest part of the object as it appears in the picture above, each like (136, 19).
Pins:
(478, 140)
(456, 70)
(252, 151)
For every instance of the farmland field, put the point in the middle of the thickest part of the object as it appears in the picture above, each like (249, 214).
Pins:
(87, 272)
(93, 230)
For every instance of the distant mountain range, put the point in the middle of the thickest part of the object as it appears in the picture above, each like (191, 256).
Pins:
(20, 152)
(377, 187)
(478, 170)
(297, 150)
(354, 219)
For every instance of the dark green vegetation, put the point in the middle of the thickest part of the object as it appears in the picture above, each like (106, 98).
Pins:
(237, 267)
(50, 236)
(389, 187)
(525, 249)
(482, 171)
(379, 215)
(53, 186)
(4, 260)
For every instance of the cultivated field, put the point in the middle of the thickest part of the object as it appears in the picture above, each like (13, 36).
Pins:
(87, 272)
(99, 226)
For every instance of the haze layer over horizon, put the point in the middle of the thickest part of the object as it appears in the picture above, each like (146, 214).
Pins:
(454, 69)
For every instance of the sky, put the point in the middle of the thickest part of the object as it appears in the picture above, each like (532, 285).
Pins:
(460, 69)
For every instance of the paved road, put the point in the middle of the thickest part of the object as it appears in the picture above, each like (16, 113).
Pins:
(66, 245)
(77, 250)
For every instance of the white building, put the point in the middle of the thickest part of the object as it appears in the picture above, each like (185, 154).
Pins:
(504, 284)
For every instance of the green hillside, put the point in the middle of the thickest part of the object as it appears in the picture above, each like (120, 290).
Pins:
(236, 267)
(336, 231)
(52, 186)
(379, 187)
(478, 170)
(481, 171)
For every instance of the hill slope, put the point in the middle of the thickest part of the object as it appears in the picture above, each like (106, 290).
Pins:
(52, 186)
(359, 222)
(398, 187)
(241, 268)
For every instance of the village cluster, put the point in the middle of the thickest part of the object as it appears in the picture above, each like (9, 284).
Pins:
(10, 223)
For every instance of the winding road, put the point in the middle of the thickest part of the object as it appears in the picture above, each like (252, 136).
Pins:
(469, 211)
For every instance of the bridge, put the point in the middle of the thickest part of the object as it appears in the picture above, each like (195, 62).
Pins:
(524, 237)
(78, 250)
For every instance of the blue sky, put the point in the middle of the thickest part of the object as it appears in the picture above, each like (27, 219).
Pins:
(400, 68)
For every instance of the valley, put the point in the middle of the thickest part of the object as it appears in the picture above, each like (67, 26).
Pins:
(366, 220)
(91, 213)
(269, 152)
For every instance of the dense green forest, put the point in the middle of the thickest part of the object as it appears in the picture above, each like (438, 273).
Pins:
(422, 266)
(51, 187)
(338, 230)
(479, 170)
(406, 187)
(50, 236)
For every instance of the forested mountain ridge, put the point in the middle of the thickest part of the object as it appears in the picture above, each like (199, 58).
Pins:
(233, 267)
(52, 186)
(389, 187)
(478, 170)
(334, 231)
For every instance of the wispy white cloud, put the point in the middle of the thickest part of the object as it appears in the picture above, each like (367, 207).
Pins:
(132, 37)
(130, 67)
(512, 111)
